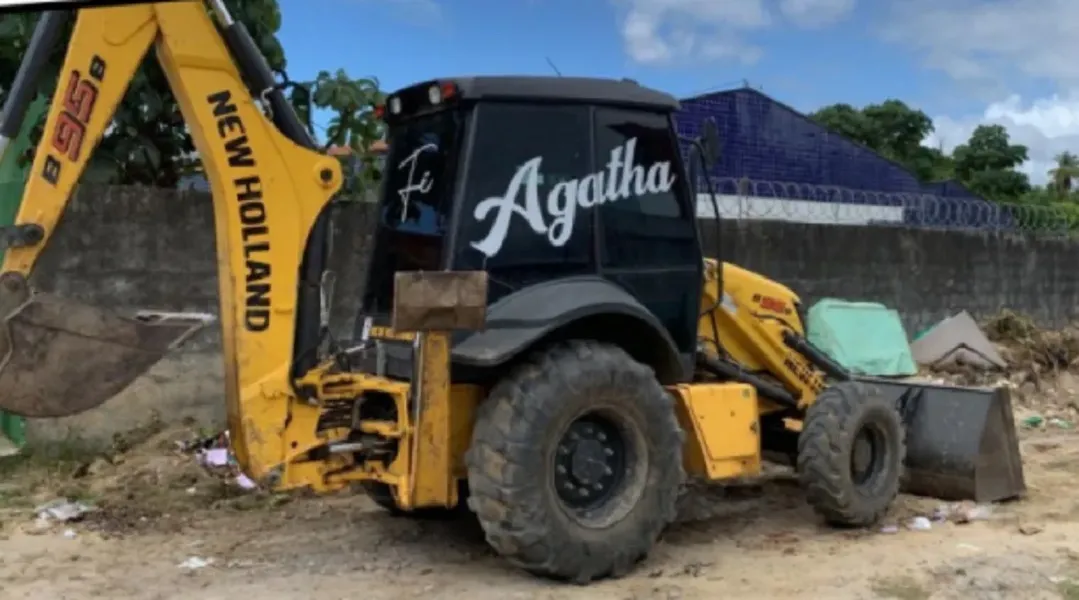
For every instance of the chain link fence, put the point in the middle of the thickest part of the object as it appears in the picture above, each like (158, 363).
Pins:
(743, 198)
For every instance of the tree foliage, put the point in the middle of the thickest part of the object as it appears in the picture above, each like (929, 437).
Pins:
(353, 124)
(1062, 176)
(149, 144)
(987, 164)
(891, 129)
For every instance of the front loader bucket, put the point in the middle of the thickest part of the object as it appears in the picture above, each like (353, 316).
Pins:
(59, 357)
(962, 443)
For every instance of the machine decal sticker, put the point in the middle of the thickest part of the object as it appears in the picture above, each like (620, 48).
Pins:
(423, 186)
(251, 208)
(555, 216)
(69, 133)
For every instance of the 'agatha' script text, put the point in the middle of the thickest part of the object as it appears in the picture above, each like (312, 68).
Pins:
(555, 216)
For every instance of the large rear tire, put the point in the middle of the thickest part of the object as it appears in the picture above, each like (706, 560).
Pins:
(850, 454)
(576, 463)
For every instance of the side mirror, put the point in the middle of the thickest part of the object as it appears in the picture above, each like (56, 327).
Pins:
(710, 142)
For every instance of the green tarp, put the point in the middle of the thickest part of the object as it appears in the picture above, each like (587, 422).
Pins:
(12, 181)
(865, 337)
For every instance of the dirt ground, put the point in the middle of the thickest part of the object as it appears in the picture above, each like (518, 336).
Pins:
(159, 513)
(166, 527)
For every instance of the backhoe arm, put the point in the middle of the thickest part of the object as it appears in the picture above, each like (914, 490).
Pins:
(270, 188)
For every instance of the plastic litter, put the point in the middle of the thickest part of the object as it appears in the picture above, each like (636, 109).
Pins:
(1034, 421)
(216, 457)
(194, 562)
(214, 454)
(245, 482)
(920, 524)
(62, 510)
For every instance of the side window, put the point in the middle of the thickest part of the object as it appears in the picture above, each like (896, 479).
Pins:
(646, 221)
(521, 218)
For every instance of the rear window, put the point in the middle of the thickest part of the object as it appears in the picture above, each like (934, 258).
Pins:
(514, 221)
(414, 211)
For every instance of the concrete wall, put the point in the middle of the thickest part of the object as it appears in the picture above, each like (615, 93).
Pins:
(131, 248)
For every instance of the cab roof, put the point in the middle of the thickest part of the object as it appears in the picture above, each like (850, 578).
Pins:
(591, 90)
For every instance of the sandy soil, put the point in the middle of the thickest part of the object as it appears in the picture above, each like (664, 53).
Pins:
(158, 508)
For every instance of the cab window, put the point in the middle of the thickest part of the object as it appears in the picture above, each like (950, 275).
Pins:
(651, 223)
(517, 219)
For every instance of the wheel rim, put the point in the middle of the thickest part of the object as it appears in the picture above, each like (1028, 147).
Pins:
(606, 451)
(867, 455)
(590, 462)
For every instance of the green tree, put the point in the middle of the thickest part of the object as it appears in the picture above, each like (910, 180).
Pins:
(1064, 173)
(849, 122)
(354, 125)
(893, 129)
(148, 143)
(987, 165)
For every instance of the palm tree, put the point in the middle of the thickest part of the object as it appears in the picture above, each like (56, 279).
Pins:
(1066, 170)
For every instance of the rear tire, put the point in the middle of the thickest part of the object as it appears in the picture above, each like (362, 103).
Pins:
(576, 463)
(850, 454)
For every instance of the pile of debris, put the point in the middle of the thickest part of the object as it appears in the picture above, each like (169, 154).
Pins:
(1041, 366)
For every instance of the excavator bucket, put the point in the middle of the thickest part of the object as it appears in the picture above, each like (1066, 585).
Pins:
(60, 358)
(962, 442)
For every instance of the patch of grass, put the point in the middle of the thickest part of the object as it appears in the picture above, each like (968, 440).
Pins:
(903, 587)
(1068, 589)
(59, 458)
(125, 442)
(52, 466)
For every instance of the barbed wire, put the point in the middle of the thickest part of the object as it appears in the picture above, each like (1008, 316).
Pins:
(743, 198)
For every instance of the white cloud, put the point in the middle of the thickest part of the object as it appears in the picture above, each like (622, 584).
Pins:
(666, 31)
(990, 40)
(1047, 127)
(1001, 45)
(815, 13)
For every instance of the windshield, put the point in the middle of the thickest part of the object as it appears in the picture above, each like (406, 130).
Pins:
(414, 211)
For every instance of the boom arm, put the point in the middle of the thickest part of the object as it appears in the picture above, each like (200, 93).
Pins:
(270, 188)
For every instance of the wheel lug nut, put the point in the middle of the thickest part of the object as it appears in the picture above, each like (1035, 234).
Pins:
(608, 452)
(583, 491)
(561, 470)
(597, 487)
(607, 471)
(568, 486)
(601, 436)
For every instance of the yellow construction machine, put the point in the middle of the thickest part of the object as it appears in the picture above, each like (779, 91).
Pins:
(541, 341)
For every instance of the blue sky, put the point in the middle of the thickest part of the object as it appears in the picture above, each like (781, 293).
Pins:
(962, 61)
(404, 41)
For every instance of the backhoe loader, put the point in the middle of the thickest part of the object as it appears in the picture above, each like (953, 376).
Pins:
(542, 340)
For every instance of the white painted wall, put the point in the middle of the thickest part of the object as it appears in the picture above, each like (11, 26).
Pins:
(799, 211)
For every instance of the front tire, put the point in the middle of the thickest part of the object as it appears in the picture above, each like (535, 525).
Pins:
(576, 463)
(851, 453)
